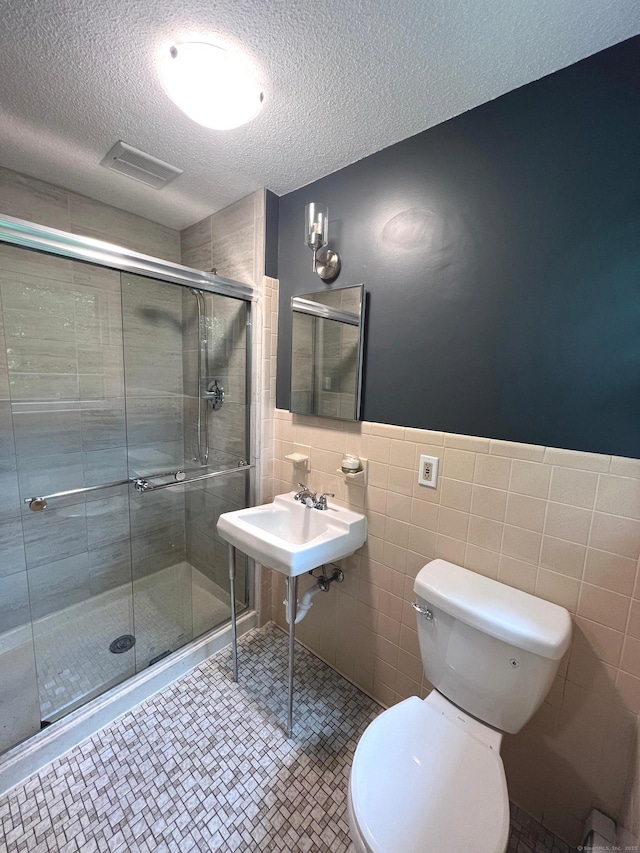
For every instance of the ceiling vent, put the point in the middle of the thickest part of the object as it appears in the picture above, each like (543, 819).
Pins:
(141, 167)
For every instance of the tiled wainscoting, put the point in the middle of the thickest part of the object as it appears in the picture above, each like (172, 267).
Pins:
(560, 524)
(205, 765)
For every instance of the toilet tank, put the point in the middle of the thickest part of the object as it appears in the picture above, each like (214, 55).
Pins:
(491, 649)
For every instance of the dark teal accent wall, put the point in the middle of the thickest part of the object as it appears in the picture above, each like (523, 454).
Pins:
(501, 254)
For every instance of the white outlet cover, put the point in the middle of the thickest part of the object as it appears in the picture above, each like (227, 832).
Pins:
(428, 471)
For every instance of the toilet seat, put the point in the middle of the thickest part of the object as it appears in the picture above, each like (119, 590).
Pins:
(428, 777)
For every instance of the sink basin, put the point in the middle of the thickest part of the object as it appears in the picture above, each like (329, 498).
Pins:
(292, 538)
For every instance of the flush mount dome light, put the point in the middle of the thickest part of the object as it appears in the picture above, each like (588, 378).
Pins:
(211, 85)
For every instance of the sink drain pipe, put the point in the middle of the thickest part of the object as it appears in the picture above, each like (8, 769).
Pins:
(322, 585)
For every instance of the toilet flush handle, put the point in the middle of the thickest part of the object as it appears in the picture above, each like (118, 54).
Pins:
(423, 611)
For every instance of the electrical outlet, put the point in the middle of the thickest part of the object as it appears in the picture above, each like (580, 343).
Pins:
(428, 471)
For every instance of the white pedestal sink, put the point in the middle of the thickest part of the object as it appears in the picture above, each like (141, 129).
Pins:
(292, 538)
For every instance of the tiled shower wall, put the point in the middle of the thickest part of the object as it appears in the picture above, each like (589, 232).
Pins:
(37, 201)
(560, 524)
(153, 343)
(225, 328)
(232, 241)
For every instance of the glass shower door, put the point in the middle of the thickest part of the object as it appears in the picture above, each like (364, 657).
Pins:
(217, 340)
(63, 327)
(123, 432)
(111, 378)
(153, 332)
(185, 355)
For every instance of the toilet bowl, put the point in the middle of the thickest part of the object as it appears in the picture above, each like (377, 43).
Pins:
(443, 768)
(427, 775)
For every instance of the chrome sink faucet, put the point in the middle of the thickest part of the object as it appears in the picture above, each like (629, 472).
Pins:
(305, 496)
(310, 499)
(321, 503)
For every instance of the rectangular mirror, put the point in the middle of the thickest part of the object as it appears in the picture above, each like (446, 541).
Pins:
(327, 347)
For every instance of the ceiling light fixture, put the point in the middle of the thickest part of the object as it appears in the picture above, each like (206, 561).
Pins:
(213, 86)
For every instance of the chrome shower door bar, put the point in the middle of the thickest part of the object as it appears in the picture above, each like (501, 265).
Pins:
(142, 484)
(37, 504)
(152, 488)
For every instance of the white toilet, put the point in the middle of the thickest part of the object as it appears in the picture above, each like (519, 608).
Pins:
(427, 776)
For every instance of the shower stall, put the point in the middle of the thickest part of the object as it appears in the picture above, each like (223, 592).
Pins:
(124, 433)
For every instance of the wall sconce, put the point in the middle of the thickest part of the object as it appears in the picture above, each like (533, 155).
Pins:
(326, 263)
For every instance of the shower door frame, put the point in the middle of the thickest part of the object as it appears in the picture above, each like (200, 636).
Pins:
(29, 235)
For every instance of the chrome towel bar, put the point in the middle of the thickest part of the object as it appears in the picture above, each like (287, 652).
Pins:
(141, 484)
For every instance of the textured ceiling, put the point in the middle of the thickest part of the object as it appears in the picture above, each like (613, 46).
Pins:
(341, 79)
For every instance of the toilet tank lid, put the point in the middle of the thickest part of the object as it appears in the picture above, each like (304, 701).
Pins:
(517, 618)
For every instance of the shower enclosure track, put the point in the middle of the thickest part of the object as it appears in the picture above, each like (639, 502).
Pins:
(20, 232)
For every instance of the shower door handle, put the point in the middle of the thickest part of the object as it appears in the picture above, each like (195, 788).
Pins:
(145, 486)
(38, 504)
(141, 484)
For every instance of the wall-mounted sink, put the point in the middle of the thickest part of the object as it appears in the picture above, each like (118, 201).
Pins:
(291, 537)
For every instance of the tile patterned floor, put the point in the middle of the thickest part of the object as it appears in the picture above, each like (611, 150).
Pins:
(205, 765)
(528, 836)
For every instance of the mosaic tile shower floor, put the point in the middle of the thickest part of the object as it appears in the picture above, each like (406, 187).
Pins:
(74, 662)
(205, 765)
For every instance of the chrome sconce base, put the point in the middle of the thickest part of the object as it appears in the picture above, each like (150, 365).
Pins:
(326, 263)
